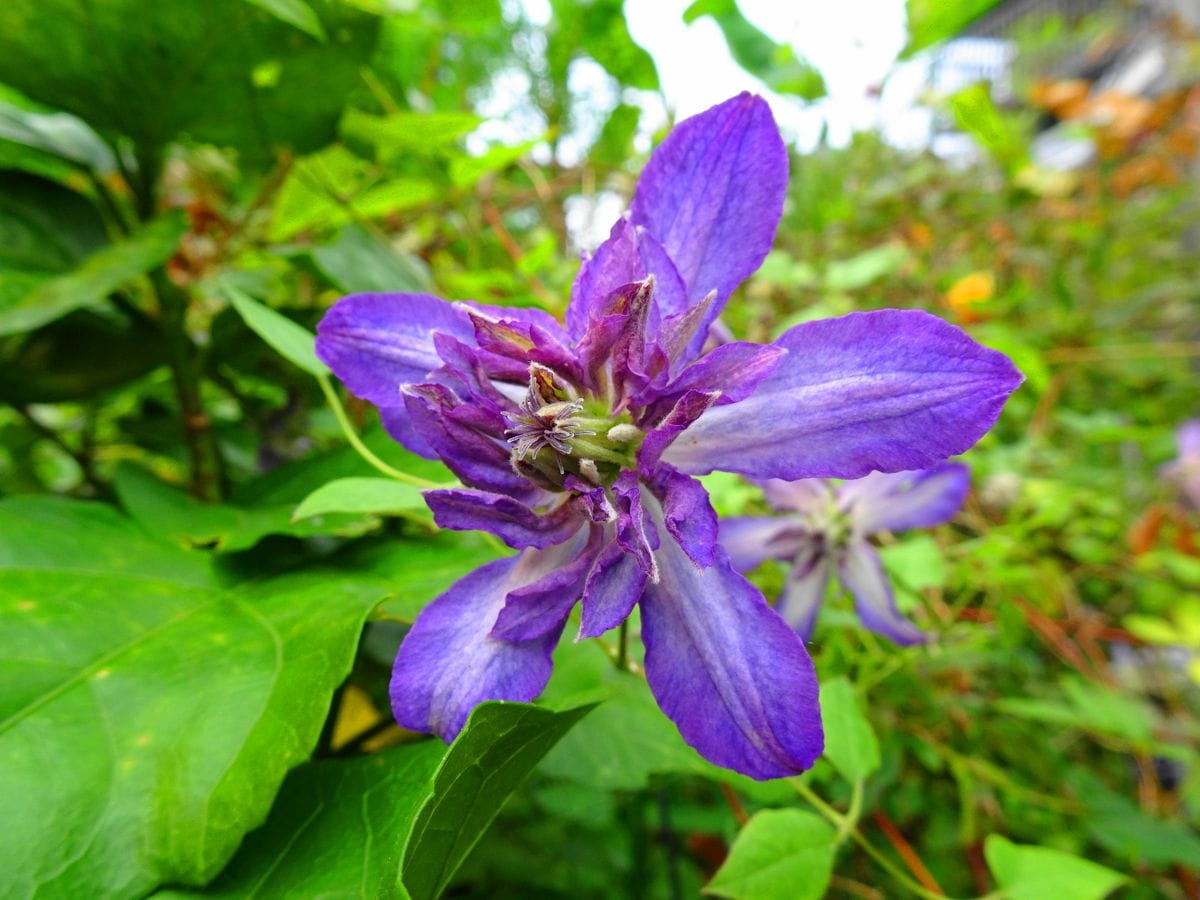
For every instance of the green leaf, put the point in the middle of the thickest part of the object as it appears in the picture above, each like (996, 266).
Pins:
(850, 743)
(361, 495)
(357, 261)
(217, 71)
(1039, 873)
(291, 341)
(915, 562)
(407, 132)
(780, 854)
(81, 355)
(775, 64)
(466, 170)
(419, 803)
(59, 134)
(322, 809)
(416, 571)
(932, 21)
(294, 12)
(976, 114)
(170, 512)
(490, 758)
(333, 187)
(90, 538)
(44, 227)
(169, 712)
(598, 28)
(97, 277)
(866, 268)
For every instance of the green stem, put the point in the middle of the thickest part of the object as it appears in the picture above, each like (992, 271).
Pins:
(622, 657)
(850, 819)
(204, 460)
(836, 819)
(362, 449)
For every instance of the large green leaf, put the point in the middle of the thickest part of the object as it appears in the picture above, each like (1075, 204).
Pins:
(775, 64)
(95, 278)
(1040, 873)
(164, 713)
(221, 71)
(91, 538)
(598, 28)
(780, 854)
(354, 828)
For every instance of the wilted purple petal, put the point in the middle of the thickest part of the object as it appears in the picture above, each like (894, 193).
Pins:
(636, 534)
(804, 590)
(887, 390)
(900, 500)
(862, 572)
(751, 540)
(727, 669)
(513, 522)
(613, 587)
(539, 608)
(688, 514)
(448, 663)
(712, 194)
(376, 342)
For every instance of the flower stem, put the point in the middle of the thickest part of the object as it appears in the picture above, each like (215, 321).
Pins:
(362, 449)
(844, 823)
(622, 658)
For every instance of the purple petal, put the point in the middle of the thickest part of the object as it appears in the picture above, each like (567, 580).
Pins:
(376, 342)
(628, 255)
(900, 500)
(1187, 439)
(887, 390)
(712, 194)
(539, 609)
(688, 514)
(448, 662)
(810, 496)
(862, 572)
(734, 369)
(468, 436)
(728, 670)
(750, 541)
(686, 410)
(514, 522)
(613, 586)
(804, 590)
(398, 423)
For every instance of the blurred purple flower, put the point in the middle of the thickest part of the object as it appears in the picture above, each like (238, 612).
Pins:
(578, 444)
(1183, 472)
(826, 527)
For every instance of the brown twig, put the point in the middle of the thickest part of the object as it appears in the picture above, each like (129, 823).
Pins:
(735, 805)
(906, 851)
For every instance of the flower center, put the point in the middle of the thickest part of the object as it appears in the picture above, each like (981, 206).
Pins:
(553, 434)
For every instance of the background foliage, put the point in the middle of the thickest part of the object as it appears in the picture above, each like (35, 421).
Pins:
(203, 583)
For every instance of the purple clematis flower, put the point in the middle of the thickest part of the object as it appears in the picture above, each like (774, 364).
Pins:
(1183, 472)
(578, 443)
(827, 526)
